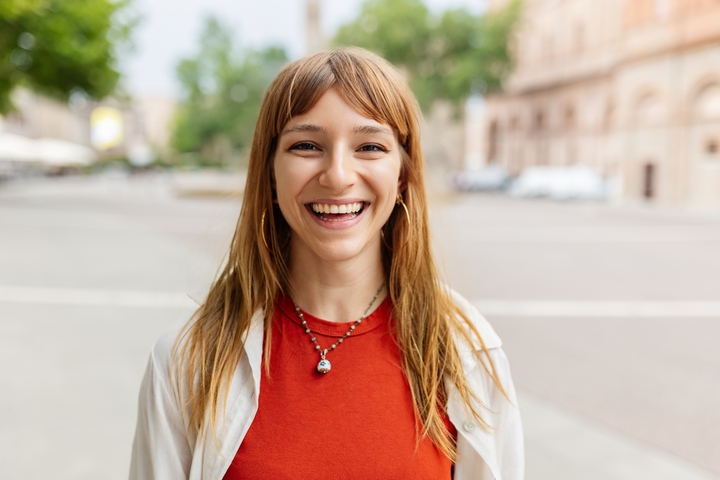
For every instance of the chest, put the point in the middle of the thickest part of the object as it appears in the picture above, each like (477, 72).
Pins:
(356, 421)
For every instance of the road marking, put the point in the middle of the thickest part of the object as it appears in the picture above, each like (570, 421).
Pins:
(94, 297)
(560, 440)
(563, 308)
(498, 308)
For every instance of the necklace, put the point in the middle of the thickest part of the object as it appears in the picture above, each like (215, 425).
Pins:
(324, 365)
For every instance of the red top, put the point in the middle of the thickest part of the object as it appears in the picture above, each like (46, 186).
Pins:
(354, 422)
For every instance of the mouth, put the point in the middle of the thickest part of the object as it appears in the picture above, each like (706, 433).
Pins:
(337, 213)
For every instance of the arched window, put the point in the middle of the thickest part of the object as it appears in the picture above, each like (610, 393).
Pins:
(649, 175)
(712, 149)
(707, 103)
(649, 110)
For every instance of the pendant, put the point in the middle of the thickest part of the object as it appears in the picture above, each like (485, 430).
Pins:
(324, 366)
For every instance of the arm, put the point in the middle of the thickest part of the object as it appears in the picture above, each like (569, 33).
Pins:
(161, 449)
(509, 433)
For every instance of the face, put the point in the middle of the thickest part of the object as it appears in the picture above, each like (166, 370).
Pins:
(337, 174)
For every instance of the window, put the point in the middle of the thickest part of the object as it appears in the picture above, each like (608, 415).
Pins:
(570, 118)
(712, 149)
(650, 110)
(707, 102)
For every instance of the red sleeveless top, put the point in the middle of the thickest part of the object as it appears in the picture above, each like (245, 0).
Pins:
(354, 422)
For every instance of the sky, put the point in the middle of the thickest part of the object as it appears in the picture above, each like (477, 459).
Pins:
(169, 30)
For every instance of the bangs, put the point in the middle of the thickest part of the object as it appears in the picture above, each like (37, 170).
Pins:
(368, 83)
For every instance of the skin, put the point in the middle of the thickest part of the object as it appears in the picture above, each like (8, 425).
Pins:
(333, 155)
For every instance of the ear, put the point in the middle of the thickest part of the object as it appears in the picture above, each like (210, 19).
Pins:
(402, 180)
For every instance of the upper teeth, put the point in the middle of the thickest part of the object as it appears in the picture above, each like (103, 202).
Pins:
(325, 208)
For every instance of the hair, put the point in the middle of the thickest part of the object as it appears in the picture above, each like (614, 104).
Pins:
(426, 321)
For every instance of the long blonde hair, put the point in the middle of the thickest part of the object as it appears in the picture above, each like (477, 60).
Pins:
(426, 321)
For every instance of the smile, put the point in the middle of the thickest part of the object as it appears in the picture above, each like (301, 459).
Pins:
(337, 213)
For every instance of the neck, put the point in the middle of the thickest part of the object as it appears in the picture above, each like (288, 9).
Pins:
(338, 291)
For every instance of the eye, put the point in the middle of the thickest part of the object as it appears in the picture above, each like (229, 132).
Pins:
(372, 147)
(303, 146)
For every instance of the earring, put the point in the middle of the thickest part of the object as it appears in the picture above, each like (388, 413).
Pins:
(398, 201)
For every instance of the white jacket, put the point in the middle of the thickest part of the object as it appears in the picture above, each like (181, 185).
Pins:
(162, 449)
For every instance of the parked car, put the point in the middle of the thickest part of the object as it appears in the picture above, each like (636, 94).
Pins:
(490, 177)
(562, 183)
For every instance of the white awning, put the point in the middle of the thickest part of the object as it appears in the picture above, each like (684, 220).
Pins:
(61, 152)
(46, 151)
(16, 148)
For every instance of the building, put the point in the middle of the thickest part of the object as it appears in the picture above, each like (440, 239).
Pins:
(314, 39)
(47, 132)
(628, 87)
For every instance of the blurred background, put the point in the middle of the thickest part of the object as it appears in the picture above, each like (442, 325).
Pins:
(573, 155)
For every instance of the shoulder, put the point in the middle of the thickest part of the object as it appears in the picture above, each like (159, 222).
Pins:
(161, 353)
(484, 328)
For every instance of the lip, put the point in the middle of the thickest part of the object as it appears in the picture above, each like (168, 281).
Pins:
(341, 201)
(337, 224)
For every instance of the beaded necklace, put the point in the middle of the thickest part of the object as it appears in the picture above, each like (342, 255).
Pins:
(324, 365)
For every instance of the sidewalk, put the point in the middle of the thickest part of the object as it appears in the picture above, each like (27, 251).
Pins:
(562, 445)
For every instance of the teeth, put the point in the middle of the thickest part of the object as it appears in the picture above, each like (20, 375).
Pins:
(348, 208)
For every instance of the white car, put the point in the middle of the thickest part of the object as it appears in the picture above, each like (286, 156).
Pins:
(562, 183)
(490, 177)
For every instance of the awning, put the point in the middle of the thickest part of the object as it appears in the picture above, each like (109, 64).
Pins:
(46, 151)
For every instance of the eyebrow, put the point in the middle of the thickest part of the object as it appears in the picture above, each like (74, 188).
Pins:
(368, 129)
(309, 127)
(304, 127)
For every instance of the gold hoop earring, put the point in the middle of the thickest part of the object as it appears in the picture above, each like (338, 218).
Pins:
(398, 201)
(262, 229)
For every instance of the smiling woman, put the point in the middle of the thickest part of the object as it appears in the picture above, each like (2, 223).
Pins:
(337, 175)
(328, 347)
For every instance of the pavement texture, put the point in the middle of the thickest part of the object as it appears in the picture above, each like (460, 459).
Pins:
(654, 378)
(93, 270)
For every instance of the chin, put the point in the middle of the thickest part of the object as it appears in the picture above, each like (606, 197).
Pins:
(343, 251)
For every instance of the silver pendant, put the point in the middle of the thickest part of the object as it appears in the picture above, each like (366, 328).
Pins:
(324, 366)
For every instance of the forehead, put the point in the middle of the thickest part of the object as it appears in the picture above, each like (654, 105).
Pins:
(331, 112)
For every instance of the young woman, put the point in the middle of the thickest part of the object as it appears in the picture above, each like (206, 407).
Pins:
(328, 348)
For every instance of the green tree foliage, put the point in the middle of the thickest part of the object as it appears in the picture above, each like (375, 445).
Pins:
(446, 57)
(58, 47)
(222, 91)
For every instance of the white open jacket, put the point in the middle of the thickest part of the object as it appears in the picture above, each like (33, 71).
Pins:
(163, 450)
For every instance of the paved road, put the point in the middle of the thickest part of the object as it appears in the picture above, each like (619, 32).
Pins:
(92, 271)
(651, 372)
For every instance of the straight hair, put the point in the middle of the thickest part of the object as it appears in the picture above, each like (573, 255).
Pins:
(426, 321)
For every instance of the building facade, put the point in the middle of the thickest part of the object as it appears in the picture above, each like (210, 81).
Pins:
(144, 130)
(628, 87)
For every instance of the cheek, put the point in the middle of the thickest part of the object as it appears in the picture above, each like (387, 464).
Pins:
(288, 180)
(283, 187)
(291, 178)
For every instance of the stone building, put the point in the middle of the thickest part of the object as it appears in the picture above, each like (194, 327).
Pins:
(314, 39)
(47, 131)
(628, 87)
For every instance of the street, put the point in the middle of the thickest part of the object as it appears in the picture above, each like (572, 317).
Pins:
(610, 317)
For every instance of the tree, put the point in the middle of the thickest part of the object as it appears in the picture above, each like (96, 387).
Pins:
(222, 91)
(60, 47)
(446, 57)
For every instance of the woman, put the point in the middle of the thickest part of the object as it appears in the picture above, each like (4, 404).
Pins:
(328, 347)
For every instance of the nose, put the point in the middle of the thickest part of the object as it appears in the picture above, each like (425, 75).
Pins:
(338, 170)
